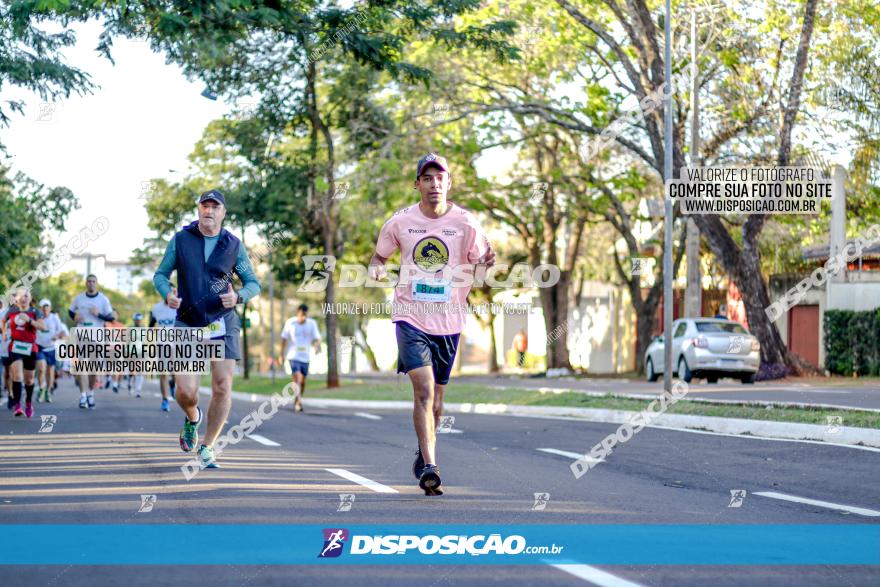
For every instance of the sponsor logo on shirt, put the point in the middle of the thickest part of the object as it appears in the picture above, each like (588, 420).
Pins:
(431, 254)
(417, 230)
(449, 232)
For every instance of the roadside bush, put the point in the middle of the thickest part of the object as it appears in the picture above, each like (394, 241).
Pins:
(852, 345)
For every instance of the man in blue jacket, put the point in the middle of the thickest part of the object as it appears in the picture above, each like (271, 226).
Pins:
(205, 256)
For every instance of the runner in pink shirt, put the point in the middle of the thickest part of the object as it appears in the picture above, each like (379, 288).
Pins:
(440, 243)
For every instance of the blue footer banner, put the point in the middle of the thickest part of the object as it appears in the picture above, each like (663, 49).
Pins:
(607, 544)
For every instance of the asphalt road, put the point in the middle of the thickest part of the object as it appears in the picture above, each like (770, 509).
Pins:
(94, 466)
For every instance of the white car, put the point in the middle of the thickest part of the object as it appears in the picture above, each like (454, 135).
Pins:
(706, 347)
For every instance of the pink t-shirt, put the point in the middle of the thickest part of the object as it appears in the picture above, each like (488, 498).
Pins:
(437, 257)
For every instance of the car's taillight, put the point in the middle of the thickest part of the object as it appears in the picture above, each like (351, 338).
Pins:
(701, 342)
(756, 346)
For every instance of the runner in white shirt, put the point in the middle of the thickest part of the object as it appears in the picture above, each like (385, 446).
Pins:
(163, 316)
(90, 309)
(300, 332)
(46, 364)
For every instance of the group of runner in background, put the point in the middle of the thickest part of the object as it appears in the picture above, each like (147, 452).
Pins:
(30, 371)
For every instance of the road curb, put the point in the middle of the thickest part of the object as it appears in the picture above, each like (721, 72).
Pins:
(845, 435)
(701, 400)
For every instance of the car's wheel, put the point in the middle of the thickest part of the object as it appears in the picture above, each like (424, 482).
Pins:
(650, 373)
(684, 372)
(711, 380)
(748, 379)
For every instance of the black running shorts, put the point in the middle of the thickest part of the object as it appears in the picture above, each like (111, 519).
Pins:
(419, 349)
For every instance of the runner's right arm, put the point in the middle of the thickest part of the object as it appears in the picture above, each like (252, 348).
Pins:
(386, 244)
(285, 336)
(162, 277)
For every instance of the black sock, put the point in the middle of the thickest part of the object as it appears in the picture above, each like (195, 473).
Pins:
(16, 392)
(30, 392)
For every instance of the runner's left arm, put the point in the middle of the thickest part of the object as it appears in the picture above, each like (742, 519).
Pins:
(479, 250)
(106, 313)
(316, 337)
(38, 323)
(250, 286)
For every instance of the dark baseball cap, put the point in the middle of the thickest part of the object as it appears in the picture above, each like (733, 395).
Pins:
(215, 195)
(431, 159)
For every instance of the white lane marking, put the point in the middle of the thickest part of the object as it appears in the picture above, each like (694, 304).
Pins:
(368, 416)
(263, 440)
(369, 483)
(571, 455)
(594, 575)
(816, 502)
(693, 431)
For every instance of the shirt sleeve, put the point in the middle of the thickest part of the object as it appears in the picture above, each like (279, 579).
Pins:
(162, 277)
(317, 333)
(388, 241)
(251, 287)
(285, 332)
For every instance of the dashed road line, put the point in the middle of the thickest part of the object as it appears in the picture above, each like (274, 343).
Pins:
(368, 483)
(595, 576)
(262, 440)
(819, 503)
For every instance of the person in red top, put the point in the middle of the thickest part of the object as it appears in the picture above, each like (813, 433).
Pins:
(23, 320)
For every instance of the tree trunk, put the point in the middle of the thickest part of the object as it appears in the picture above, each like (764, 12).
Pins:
(326, 217)
(774, 354)
(493, 343)
(554, 301)
(646, 315)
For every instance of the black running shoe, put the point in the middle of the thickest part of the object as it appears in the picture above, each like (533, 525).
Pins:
(418, 465)
(430, 480)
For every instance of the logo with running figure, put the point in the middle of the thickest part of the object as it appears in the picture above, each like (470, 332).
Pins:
(318, 271)
(47, 424)
(431, 254)
(334, 540)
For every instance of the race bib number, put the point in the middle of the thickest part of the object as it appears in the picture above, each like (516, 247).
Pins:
(431, 291)
(88, 323)
(302, 348)
(22, 348)
(216, 329)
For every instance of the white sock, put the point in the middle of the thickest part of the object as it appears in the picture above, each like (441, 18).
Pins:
(83, 394)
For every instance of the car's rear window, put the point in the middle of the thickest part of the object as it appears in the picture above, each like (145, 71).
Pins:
(721, 327)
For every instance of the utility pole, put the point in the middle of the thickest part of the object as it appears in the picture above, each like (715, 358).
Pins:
(694, 291)
(667, 176)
